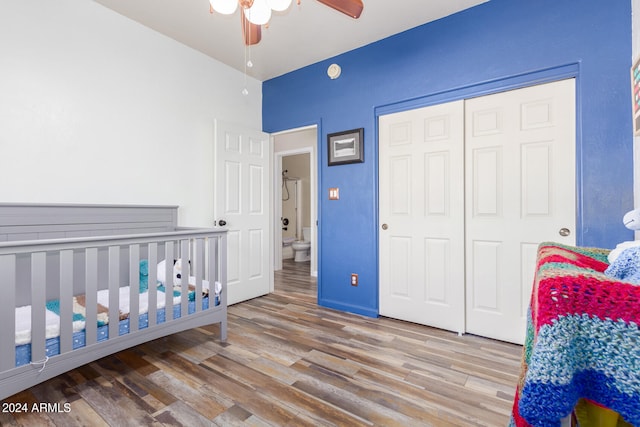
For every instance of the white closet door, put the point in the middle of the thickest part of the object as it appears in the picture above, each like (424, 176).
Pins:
(241, 199)
(421, 215)
(520, 191)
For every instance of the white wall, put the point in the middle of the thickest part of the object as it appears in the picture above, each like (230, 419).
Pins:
(95, 108)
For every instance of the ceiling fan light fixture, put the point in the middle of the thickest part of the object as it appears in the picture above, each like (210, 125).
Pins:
(279, 5)
(259, 13)
(251, 33)
(256, 13)
(224, 7)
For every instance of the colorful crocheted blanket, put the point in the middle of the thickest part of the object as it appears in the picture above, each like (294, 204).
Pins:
(582, 339)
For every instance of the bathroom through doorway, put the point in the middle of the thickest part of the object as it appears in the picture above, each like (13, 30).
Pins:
(295, 198)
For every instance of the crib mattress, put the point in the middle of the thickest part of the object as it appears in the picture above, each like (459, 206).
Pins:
(23, 319)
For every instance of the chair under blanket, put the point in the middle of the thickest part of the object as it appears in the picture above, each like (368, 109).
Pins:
(582, 345)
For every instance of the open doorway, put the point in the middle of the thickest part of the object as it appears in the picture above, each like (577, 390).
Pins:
(295, 195)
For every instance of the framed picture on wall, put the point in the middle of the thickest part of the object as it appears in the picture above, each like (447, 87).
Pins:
(346, 147)
(635, 96)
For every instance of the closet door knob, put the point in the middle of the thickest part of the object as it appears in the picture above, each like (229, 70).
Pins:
(385, 226)
(222, 223)
(564, 232)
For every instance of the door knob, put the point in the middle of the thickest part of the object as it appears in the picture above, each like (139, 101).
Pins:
(385, 226)
(564, 232)
(222, 223)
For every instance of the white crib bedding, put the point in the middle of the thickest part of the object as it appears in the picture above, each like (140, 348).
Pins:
(52, 345)
(23, 316)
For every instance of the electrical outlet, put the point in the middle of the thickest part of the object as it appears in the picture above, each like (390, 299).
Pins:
(354, 279)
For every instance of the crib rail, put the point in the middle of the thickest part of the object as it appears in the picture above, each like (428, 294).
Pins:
(34, 271)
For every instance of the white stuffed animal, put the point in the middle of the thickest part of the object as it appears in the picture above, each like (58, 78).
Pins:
(177, 272)
(177, 277)
(631, 220)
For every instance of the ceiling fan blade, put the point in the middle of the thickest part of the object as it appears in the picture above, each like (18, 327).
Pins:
(352, 8)
(251, 33)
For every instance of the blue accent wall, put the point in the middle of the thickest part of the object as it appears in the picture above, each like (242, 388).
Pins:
(498, 45)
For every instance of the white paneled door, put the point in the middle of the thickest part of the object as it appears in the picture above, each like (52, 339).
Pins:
(421, 216)
(241, 204)
(520, 191)
(467, 192)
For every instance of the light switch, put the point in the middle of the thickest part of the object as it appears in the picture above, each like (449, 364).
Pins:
(334, 194)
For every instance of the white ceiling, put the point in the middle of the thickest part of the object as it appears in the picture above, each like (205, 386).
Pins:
(298, 37)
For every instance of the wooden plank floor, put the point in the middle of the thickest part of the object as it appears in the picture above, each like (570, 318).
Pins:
(288, 362)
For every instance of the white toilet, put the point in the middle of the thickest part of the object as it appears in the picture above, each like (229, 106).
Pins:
(302, 249)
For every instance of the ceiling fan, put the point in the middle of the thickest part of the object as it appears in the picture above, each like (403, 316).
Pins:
(255, 13)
